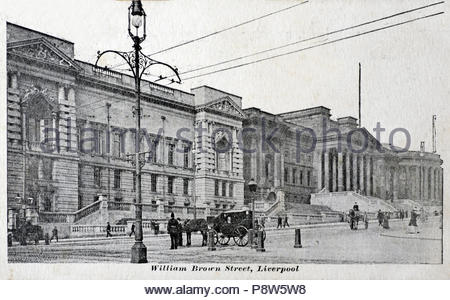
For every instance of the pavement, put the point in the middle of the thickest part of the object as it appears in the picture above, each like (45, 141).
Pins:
(321, 244)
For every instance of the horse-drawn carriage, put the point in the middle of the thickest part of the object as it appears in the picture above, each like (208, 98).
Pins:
(27, 232)
(234, 224)
(228, 225)
(355, 216)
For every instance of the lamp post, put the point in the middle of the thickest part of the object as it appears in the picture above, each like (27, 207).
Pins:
(252, 186)
(422, 181)
(194, 194)
(138, 63)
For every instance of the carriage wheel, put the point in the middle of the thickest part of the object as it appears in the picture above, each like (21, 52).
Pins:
(223, 239)
(241, 236)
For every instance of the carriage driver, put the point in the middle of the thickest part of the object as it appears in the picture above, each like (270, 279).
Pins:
(356, 207)
(172, 228)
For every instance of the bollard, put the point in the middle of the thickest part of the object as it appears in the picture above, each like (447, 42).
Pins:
(9, 239)
(211, 246)
(298, 238)
(260, 240)
(47, 239)
(251, 238)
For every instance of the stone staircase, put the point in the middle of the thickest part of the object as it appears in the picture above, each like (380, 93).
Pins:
(343, 201)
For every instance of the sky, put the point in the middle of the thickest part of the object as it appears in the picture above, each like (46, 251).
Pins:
(405, 78)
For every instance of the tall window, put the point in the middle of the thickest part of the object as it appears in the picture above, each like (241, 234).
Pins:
(186, 156)
(224, 188)
(66, 93)
(97, 176)
(100, 141)
(231, 192)
(117, 179)
(294, 175)
(216, 187)
(170, 184)
(171, 154)
(185, 186)
(117, 145)
(153, 183)
(308, 178)
(134, 181)
(286, 175)
(301, 177)
(34, 130)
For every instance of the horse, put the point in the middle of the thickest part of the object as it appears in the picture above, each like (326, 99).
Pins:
(195, 225)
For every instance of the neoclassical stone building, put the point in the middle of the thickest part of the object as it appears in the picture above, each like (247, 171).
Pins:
(71, 133)
(344, 158)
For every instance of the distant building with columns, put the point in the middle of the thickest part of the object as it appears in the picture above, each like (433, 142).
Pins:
(344, 158)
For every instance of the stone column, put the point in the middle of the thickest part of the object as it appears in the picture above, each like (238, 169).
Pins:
(425, 183)
(441, 184)
(282, 169)
(318, 168)
(333, 188)
(361, 174)
(276, 169)
(396, 185)
(340, 172)
(368, 175)
(355, 172)
(347, 169)
(253, 161)
(326, 171)
(262, 165)
(433, 184)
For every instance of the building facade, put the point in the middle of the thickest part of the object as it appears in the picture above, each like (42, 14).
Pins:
(71, 137)
(71, 140)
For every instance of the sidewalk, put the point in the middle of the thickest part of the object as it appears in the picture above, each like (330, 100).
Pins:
(427, 231)
(164, 235)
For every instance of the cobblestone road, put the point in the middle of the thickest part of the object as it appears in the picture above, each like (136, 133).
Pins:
(320, 245)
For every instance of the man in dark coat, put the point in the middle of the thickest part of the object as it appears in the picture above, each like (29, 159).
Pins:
(133, 228)
(108, 230)
(380, 217)
(172, 228)
(280, 222)
(54, 234)
(356, 207)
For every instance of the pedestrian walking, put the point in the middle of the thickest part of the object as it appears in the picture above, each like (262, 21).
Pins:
(54, 234)
(286, 223)
(280, 222)
(380, 217)
(172, 228)
(108, 230)
(180, 232)
(386, 221)
(133, 228)
(412, 226)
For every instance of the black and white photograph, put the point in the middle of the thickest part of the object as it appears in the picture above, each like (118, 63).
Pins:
(239, 138)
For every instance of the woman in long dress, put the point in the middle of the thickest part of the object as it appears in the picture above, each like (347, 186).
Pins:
(412, 226)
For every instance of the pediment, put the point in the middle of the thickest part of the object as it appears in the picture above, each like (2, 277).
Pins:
(224, 106)
(42, 50)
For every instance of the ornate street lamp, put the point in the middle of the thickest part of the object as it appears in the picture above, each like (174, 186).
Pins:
(138, 63)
